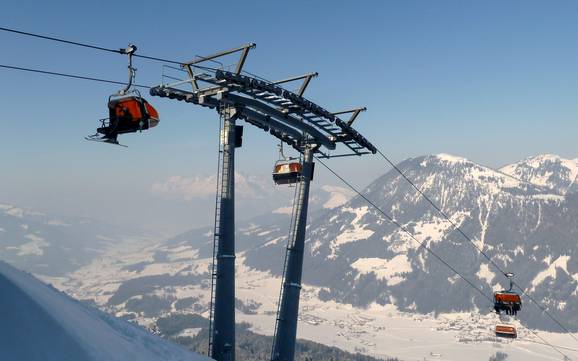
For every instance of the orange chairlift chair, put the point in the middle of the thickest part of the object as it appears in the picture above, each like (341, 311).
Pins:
(128, 111)
(287, 170)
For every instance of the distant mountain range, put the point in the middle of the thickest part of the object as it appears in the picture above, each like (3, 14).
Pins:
(552, 171)
(522, 215)
(44, 244)
(254, 194)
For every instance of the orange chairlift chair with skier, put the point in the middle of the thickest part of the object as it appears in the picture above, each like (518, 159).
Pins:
(510, 303)
(128, 111)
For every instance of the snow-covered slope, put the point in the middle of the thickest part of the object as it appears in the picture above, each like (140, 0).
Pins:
(40, 323)
(547, 170)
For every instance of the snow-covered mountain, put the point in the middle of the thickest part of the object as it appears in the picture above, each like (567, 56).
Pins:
(53, 246)
(360, 257)
(358, 262)
(40, 323)
(254, 194)
(547, 170)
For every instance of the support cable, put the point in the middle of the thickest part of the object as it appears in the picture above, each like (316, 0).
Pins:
(544, 310)
(118, 51)
(557, 348)
(95, 47)
(82, 77)
(404, 229)
(454, 225)
(457, 228)
(60, 40)
(85, 45)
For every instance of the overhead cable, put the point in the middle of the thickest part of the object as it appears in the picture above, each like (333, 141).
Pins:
(457, 228)
(82, 77)
(404, 229)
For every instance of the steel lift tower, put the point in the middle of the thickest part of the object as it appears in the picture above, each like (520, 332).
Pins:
(307, 127)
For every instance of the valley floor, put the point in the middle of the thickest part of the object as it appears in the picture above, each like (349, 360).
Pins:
(377, 331)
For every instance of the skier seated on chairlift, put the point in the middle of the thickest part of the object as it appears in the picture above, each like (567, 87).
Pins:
(128, 111)
(507, 300)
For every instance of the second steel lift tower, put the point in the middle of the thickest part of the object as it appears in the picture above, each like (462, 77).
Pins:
(307, 127)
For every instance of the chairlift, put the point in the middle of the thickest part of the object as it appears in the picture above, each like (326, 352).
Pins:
(506, 331)
(507, 301)
(128, 111)
(287, 170)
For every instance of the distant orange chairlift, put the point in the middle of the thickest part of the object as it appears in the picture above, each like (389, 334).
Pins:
(506, 331)
(510, 303)
(287, 170)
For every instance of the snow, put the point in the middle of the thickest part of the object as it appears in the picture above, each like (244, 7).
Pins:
(355, 232)
(376, 330)
(504, 258)
(338, 196)
(57, 222)
(561, 262)
(548, 197)
(436, 228)
(283, 210)
(502, 180)
(390, 270)
(530, 170)
(189, 332)
(156, 269)
(486, 274)
(273, 241)
(199, 187)
(32, 248)
(182, 253)
(15, 212)
(450, 158)
(571, 165)
(45, 322)
(382, 331)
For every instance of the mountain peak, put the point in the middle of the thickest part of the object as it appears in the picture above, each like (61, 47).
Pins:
(547, 170)
(450, 158)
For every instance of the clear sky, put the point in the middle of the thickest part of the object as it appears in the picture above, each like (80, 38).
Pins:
(493, 81)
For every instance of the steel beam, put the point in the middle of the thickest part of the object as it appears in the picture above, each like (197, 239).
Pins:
(268, 122)
(223, 331)
(282, 117)
(306, 80)
(243, 48)
(293, 78)
(354, 113)
(286, 328)
(293, 119)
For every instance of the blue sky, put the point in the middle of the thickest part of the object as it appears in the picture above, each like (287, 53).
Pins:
(492, 81)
